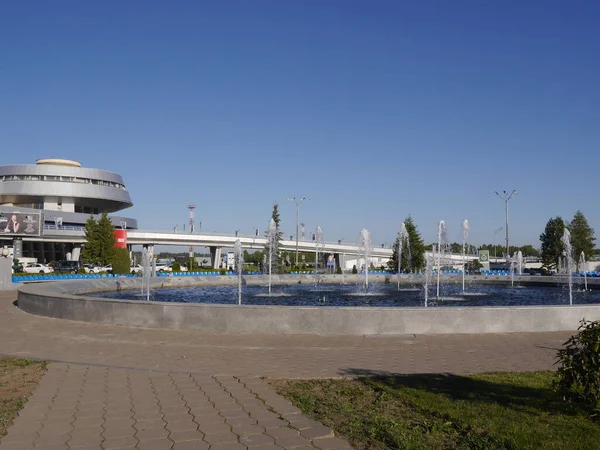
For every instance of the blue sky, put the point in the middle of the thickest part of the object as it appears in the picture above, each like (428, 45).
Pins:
(374, 110)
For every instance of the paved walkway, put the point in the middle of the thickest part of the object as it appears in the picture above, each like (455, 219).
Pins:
(119, 387)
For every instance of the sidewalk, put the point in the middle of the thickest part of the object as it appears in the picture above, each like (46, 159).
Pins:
(148, 388)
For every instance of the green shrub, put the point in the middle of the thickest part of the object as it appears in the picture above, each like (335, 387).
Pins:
(338, 270)
(223, 271)
(176, 267)
(354, 270)
(81, 271)
(579, 366)
(121, 263)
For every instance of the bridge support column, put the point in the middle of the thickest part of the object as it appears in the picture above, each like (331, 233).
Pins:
(215, 256)
(76, 253)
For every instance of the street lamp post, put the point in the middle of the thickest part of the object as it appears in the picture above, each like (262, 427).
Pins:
(506, 197)
(496, 231)
(298, 203)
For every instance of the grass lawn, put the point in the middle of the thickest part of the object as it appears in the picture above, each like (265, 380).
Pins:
(485, 411)
(18, 379)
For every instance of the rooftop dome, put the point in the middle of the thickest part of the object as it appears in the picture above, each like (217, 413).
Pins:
(58, 162)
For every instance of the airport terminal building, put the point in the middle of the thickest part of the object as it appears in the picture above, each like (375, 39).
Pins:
(50, 199)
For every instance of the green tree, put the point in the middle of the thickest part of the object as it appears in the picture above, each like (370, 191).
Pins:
(414, 259)
(552, 246)
(106, 240)
(121, 264)
(277, 264)
(89, 254)
(100, 241)
(582, 237)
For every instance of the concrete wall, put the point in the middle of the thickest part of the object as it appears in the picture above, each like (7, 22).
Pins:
(67, 300)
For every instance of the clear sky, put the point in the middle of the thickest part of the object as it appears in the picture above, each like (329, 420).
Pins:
(373, 109)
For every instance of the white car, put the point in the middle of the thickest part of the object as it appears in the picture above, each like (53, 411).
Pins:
(37, 268)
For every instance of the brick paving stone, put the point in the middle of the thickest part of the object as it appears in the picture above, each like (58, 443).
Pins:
(228, 446)
(281, 432)
(152, 433)
(317, 432)
(189, 435)
(155, 444)
(241, 421)
(212, 428)
(331, 443)
(121, 442)
(220, 438)
(190, 445)
(256, 440)
(292, 441)
(187, 425)
(248, 429)
(111, 433)
(80, 441)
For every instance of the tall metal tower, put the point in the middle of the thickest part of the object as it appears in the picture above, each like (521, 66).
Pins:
(191, 208)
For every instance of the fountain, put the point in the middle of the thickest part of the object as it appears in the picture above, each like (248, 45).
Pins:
(272, 239)
(513, 261)
(365, 248)
(582, 264)
(401, 238)
(318, 246)
(238, 252)
(428, 273)
(466, 229)
(519, 262)
(146, 273)
(442, 240)
(566, 240)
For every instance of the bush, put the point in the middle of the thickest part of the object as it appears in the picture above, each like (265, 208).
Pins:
(223, 271)
(81, 271)
(354, 270)
(579, 366)
(121, 264)
(176, 267)
(338, 270)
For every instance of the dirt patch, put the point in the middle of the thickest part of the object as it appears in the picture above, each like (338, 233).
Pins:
(18, 379)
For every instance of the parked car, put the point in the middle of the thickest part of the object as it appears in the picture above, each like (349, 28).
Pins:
(37, 268)
(136, 269)
(67, 266)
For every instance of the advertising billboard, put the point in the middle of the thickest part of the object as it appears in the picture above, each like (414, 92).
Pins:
(20, 224)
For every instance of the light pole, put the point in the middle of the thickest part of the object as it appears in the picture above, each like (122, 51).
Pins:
(498, 230)
(506, 197)
(298, 203)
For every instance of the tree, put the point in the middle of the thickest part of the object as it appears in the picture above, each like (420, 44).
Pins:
(582, 237)
(100, 241)
(89, 254)
(277, 241)
(413, 249)
(552, 246)
(121, 264)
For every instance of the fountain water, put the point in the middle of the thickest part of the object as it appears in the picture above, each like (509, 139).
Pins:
(401, 238)
(582, 265)
(566, 240)
(519, 262)
(318, 246)
(429, 258)
(272, 238)
(366, 247)
(238, 253)
(466, 230)
(146, 273)
(442, 240)
(513, 261)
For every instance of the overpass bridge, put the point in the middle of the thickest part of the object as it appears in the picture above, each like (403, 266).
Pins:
(217, 241)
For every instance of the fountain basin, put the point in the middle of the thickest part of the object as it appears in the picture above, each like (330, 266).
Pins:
(71, 300)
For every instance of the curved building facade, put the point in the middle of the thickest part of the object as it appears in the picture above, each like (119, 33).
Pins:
(61, 195)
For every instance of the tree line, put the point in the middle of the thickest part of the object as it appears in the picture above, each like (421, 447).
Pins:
(582, 240)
